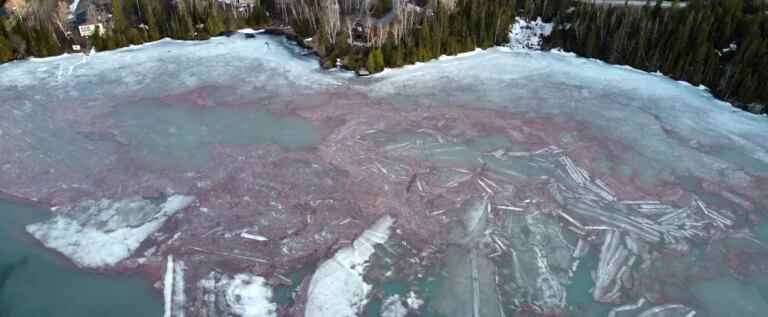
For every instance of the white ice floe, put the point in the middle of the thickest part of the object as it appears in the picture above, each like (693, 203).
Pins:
(174, 298)
(179, 298)
(393, 307)
(337, 288)
(249, 296)
(243, 295)
(103, 233)
(414, 302)
(168, 287)
(256, 237)
(615, 262)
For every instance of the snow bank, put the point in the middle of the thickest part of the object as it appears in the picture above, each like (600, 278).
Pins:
(337, 288)
(528, 34)
(102, 233)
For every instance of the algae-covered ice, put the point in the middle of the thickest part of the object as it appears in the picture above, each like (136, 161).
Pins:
(495, 183)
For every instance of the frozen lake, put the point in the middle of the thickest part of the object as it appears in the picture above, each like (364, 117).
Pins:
(242, 179)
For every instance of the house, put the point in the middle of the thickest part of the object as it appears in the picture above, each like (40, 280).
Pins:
(86, 30)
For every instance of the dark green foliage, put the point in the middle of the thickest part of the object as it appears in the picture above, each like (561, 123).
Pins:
(470, 24)
(118, 16)
(375, 61)
(691, 43)
(6, 50)
(133, 36)
(382, 8)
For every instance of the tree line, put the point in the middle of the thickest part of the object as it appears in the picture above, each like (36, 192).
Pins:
(441, 30)
(40, 34)
(136, 22)
(722, 45)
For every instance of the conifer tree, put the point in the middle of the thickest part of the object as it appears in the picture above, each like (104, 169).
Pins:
(6, 50)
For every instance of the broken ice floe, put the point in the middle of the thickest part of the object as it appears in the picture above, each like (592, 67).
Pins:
(102, 233)
(173, 288)
(640, 309)
(337, 288)
(615, 262)
(393, 307)
(243, 295)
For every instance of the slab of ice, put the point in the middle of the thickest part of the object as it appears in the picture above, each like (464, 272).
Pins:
(250, 296)
(615, 261)
(102, 233)
(256, 237)
(168, 287)
(337, 288)
(243, 295)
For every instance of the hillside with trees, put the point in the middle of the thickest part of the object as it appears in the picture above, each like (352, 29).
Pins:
(722, 45)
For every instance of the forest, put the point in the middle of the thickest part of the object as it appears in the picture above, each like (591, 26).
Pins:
(722, 45)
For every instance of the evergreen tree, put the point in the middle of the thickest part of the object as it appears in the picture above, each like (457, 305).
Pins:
(6, 50)
(118, 16)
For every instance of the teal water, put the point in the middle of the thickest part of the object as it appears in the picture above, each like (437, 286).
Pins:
(169, 136)
(284, 294)
(35, 282)
(579, 291)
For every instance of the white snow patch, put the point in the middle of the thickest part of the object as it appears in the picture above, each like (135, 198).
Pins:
(102, 233)
(250, 296)
(414, 302)
(337, 288)
(250, 31)
(528, 34)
